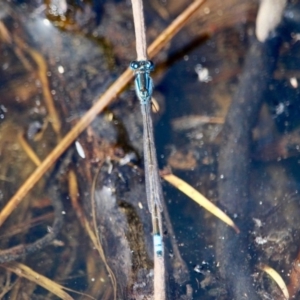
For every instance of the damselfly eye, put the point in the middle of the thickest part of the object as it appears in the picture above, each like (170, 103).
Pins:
(134, 65)
(149, 65)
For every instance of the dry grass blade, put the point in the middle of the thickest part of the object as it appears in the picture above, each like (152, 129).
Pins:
(200, 199)
(73, 193)
(277, 278)
(42, 73)
(24, 271)
(26, 147)
(4, 34)
(111, 93)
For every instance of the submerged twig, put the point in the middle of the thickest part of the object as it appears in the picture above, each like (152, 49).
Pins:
(234, 165)
(21, 251)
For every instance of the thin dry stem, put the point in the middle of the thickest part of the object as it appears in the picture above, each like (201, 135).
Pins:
(23, 271)
(159, 262)
(139, 26)
(159, 278)
(173, 28)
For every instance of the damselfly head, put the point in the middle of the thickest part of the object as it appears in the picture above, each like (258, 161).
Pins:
(142, 65)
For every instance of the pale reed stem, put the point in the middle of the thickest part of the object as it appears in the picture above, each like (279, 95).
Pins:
(141, 49)
(139, 26)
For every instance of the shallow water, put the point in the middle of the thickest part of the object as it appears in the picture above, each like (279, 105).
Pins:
(195, 77)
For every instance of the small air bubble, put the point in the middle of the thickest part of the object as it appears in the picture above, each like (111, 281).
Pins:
(294, 82)
(206, 10)
(46, 22)
(61, 69)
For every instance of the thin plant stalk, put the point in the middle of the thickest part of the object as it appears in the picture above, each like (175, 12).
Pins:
(144, 88)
